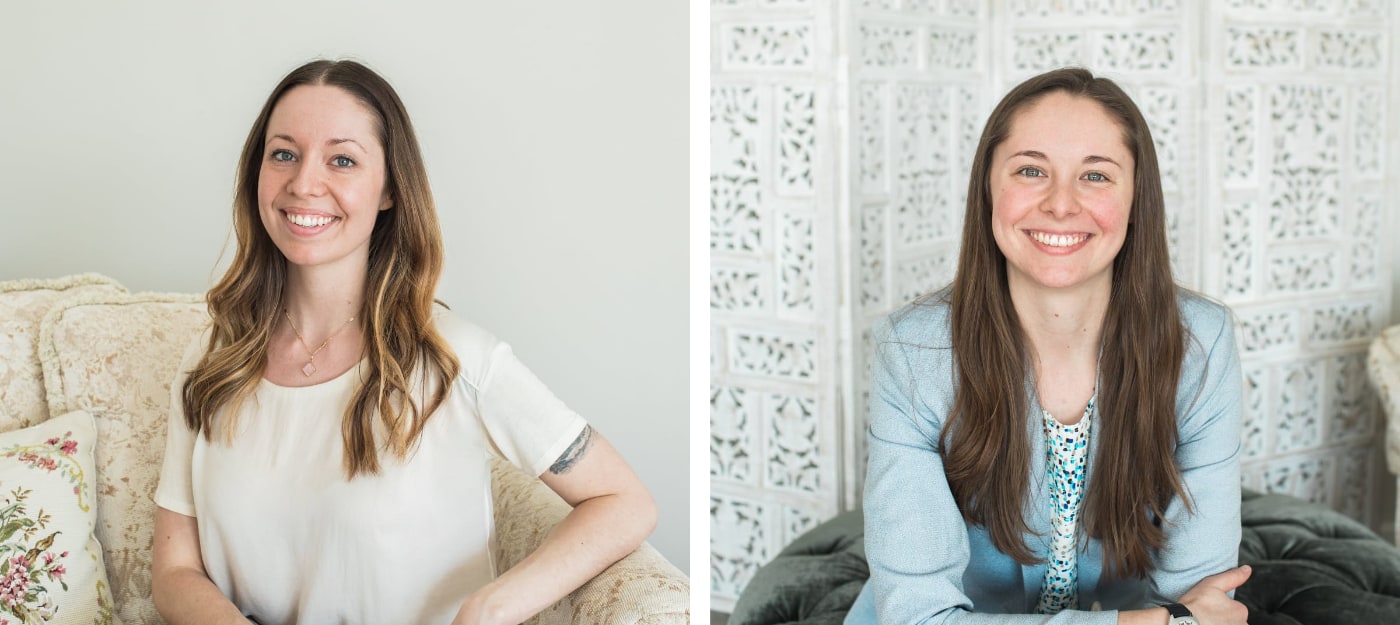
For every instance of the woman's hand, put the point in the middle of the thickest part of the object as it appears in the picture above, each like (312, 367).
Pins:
(1210, 604)
(475, 611)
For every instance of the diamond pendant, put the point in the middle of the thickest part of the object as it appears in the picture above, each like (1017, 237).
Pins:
(308, 369)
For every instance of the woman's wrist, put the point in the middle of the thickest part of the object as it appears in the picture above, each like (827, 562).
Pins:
(1147, 616)
(482, 608)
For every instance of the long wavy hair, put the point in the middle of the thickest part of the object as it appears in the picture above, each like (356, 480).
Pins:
(405, 262)
(985, 444)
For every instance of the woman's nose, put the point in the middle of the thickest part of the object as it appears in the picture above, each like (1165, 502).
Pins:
(1061, 201)
(306, 181)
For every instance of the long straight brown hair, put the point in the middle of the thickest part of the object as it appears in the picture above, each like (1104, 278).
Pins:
(405, 262)
(985, 444)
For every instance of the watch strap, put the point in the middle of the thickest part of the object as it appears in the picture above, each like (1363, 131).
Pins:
(1176, 610)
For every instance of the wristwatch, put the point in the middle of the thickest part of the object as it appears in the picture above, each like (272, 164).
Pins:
(1177, 614)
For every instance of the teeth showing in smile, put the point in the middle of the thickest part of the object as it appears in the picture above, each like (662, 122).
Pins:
(309, 221)
(1058, 240)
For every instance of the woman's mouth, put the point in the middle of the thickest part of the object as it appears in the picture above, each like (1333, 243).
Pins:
(1058, 240)
(309, 223)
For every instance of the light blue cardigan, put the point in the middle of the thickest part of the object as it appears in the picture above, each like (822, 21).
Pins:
(928, 566)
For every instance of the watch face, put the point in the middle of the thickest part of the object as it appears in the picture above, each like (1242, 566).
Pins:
(1184, 620)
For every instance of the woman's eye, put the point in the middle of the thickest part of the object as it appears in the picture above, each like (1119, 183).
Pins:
(1030, 172)
(1094, 176)
(281, 155)
(343, 161)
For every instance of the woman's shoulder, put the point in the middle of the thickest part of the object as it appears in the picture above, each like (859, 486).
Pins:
(1204, 318)
(472, 343)
(1210, 345)
(924, 321)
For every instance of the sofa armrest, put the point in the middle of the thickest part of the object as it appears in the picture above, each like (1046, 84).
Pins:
(641, 588)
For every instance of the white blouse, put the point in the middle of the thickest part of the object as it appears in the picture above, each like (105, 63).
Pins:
(289, 540)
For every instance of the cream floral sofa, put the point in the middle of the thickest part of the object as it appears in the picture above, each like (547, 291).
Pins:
(85, 343)
(1383, 368)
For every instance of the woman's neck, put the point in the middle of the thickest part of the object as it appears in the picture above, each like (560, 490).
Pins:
(1062, 325)
(321, 299)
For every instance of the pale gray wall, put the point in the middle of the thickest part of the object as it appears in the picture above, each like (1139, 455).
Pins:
(554, 134)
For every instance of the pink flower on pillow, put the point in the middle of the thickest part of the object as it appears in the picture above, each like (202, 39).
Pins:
(15, 584)
(65, 444)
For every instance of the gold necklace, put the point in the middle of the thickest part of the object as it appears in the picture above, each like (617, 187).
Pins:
(310, 366)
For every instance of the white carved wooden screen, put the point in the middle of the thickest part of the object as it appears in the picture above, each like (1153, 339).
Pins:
(1295, 190)
(773, 271)
(1269, 118)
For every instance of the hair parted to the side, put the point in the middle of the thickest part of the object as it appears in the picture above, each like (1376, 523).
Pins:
(985, 443)
(405, 262)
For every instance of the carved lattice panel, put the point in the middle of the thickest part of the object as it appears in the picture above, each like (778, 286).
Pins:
(1240, 152)
(1238, 250)
(919, 89)
(1266, 331)
(773, 419)
(793, 457)
(1255, 440)
(1171, 123)
(736, 223)
(1357, 485)
(766, 45)
(740, 541)
(1297, 97)
(732, 436)
(1366, 247)
(796, 139)
(1352, 413)
(1299, 412)
(874, 171)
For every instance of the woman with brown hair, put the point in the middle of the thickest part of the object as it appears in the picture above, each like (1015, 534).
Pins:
(1055, 437)
(330, 433)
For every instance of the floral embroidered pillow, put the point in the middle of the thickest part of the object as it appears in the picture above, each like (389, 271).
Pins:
(50, 564)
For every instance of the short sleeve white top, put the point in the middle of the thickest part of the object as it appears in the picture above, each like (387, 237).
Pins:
(289, 540)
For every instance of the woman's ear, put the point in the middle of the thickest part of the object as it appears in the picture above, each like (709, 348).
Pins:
(387, 202)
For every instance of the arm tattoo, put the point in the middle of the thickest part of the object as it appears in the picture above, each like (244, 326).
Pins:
(575, 451)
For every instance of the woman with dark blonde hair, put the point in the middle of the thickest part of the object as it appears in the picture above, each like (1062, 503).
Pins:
(330, 433)
(1055, 437)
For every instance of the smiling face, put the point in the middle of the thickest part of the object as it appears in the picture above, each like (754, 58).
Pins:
(322, 181)
(1061, 187)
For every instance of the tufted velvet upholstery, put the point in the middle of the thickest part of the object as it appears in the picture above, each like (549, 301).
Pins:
(1312, 566)
(813, 581)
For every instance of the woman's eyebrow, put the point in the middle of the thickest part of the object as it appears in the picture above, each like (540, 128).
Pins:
(340, 141)
(333, 141)
(1094, 158)
(1088, 160)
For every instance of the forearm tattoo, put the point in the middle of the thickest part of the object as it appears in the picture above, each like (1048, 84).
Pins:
(575, 451)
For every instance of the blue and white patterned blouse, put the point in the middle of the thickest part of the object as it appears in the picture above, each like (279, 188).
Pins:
(1066, 448)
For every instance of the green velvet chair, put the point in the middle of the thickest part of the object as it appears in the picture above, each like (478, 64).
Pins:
(1312, 566)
